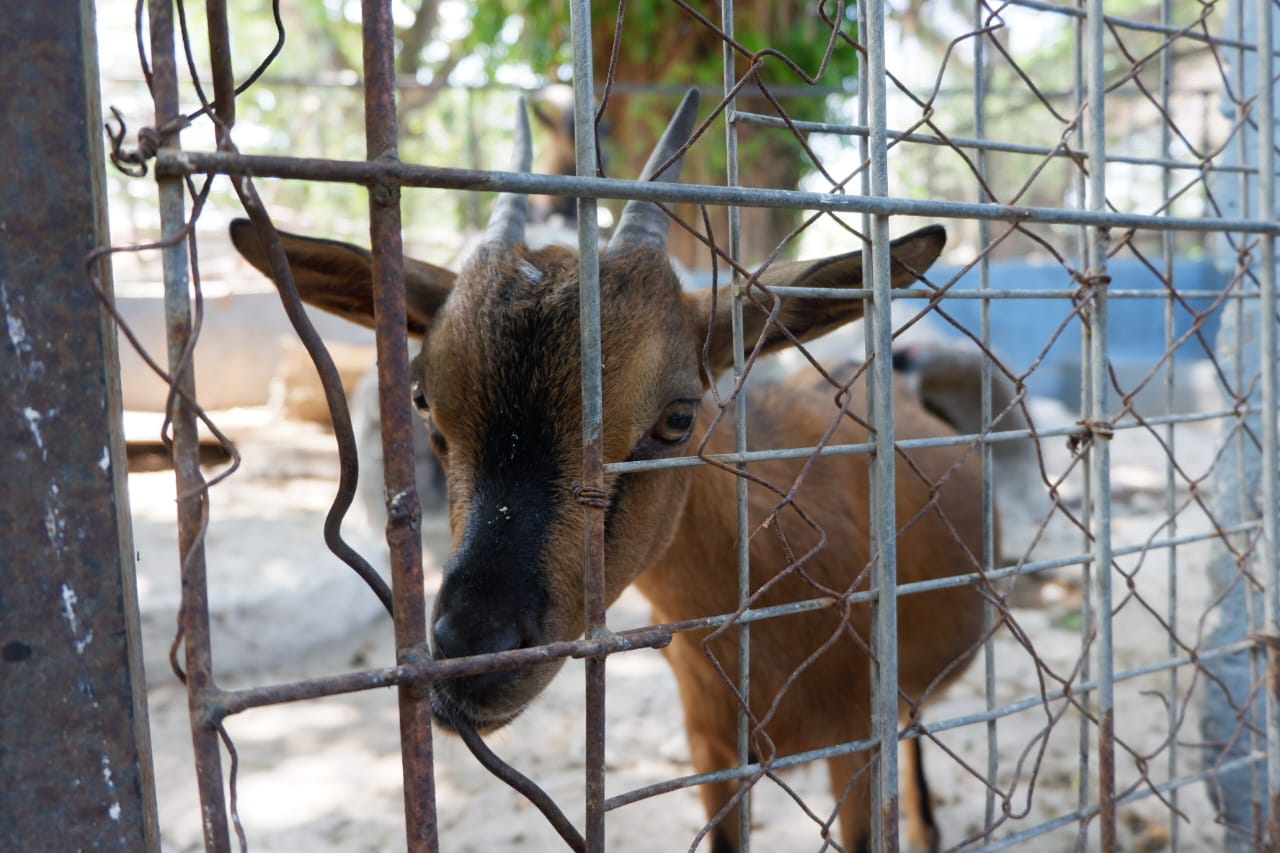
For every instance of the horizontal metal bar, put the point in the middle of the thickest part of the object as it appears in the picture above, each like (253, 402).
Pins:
(957, 293)
(1019, 570)
(351, 79)
(1132, 24)
(224, 702)
(1133, 796)
(1084, 687)
(1062, 562)
(905, 444)
(169, 163)
(839, 129)
(668, 785)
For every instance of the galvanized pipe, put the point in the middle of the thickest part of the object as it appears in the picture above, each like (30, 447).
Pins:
(1099, 448)
(989, 555)
(1170, 432)
(1269, 561)
(883, 522)
(980, 143)
(593, 556)
(732, 179)
(1088, 569)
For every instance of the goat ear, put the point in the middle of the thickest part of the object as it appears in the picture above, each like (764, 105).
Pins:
(808, 317)
(338, 277)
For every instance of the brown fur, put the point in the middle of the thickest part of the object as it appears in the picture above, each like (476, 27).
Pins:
(499, 369)
(829, 702)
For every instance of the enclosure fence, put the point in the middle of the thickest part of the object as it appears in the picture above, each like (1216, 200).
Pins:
(1106, 166)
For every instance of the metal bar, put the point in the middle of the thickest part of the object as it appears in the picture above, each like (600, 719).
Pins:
(593, 547)
(989, 556)
(1082, 815)
(1233, 489)
(1269, 568)
(224, 81)
(236, 701)
(1087, 616)
(732, 179)
(1099, 449)
(403, 512)
(1170, 431)
(883, 522)
(987, 295)
(905, 444)
(339, 171)
(74, 735)
(191, 490)
(981, 144)
(1137, 25)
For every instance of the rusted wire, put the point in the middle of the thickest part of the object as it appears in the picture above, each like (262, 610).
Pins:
(523, 785)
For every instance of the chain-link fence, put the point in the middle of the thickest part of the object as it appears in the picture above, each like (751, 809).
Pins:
(1022, 526)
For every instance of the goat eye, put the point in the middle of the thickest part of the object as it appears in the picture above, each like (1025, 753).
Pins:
(675, 423)
(420, 402)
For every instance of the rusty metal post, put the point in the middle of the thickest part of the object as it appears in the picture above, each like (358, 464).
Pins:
(403, 512)
(74, 742)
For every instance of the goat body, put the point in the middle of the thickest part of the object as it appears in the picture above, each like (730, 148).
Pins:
(810, 673)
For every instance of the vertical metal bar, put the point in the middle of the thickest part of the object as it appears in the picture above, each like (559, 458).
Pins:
(74, 738)
(1269, 570)
(740, 427)
(1245, 459)
(1237, 793)
(194, 614)
(1170, 433)
(224, 81)
(403, 512)
(988, 475)
(1088, 570)
(1099, 447)
(592, 418)
(883, 500)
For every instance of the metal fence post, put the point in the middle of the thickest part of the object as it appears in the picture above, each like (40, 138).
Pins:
(1242, 491)
(593, 567)
(884, 522)
(74, 740)
(403, 512)
(1099, 449)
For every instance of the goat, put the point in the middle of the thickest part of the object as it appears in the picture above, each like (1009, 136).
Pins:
(497, 380)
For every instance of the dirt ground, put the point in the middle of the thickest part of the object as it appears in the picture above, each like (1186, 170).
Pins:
(325, 775)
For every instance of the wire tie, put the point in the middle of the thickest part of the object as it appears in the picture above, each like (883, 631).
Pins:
(591, 496)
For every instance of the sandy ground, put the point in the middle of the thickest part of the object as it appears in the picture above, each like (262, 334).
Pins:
(325, 775)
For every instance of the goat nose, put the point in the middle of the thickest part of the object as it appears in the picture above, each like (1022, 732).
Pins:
(456, 637)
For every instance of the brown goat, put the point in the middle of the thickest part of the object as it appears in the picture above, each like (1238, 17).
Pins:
(498, 379)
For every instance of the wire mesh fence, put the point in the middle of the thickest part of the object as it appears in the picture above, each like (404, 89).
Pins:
(1021, 523)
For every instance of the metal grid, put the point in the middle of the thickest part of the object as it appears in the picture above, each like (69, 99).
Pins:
(1088, 691)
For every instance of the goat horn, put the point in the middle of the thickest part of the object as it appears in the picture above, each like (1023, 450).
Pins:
(510, 210)
(643, 222)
